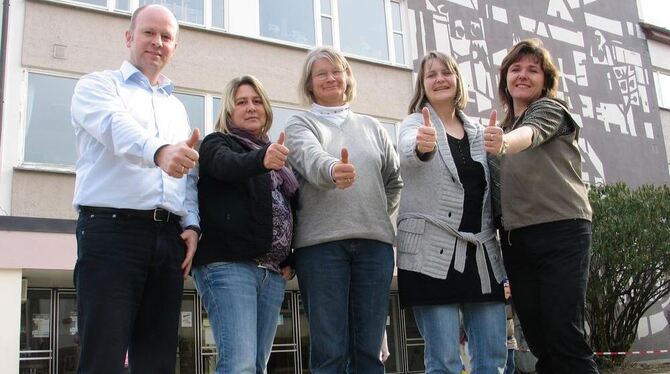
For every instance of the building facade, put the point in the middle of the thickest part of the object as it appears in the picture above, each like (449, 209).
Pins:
(611, 75)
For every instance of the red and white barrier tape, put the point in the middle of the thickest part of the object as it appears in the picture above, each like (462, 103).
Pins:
(650, 352)
(655, 351)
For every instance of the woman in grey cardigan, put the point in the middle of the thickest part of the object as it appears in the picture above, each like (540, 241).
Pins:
(349, 186)
(448, 256)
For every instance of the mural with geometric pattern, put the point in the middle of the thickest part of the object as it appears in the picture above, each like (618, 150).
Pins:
(601, 52)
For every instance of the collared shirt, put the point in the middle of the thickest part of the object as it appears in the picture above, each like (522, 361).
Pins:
(120, 121)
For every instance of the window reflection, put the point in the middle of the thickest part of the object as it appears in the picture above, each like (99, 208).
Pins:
(35, 338)
(290, 20)
(195, 108)
(49, 135)
(191, 11)
(363, 28)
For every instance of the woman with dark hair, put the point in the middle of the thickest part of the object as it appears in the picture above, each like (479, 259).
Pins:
(449, 260)
(246, 196)
(546, 215)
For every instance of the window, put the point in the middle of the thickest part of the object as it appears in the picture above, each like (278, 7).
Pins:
(363, 28)
(398, 37)
(326, 23)
(191, 11)
(36, 336)
(195, 108)
(290, 20)
(49, 134)
(371, 28)
(217, 14)
(662, 82)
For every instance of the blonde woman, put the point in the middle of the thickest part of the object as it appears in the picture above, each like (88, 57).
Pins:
(246, 195)
(349, 186)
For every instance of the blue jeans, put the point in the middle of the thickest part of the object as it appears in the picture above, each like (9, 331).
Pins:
(510, 368)
(243, 303)
(485, 326)
(345, 290)
(129, 289)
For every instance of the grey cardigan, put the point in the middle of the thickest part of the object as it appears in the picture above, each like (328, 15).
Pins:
(431, 207)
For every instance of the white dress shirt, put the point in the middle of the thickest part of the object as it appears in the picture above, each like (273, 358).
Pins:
(120, 121)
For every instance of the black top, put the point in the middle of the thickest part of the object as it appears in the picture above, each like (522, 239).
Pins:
(235, 200)
(420, 289)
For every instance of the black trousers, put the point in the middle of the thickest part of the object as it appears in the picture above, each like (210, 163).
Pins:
(548, 267)
(129, 289)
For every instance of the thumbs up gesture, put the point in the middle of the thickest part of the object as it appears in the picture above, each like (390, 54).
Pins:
(493, 136)
(344, 173)
(177, 159)
(275, 156)
(426, 138)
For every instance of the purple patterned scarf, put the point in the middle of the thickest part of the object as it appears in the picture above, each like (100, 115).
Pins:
(284, 178)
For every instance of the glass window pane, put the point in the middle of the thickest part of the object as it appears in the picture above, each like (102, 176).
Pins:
(36, 321)
(217, 13)
(399, 48)
(325, 7)
(68, 333)
(290, 20)
(195, 108)
(186, 342)
(280, 116)
(208, 345)
(663, 90)
(393, 364)
(216, 109)
(363, 28)
(391, 129)
(185, 10)
(49, 134)
(122, 5)
(395, 11)
(327, 30)
(102, 3)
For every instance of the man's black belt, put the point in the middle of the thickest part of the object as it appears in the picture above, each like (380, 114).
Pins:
(157, 215)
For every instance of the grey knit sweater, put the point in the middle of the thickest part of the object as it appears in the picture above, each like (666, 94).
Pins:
(432, 207)
(362, 211)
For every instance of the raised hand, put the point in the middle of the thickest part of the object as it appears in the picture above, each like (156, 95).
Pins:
(177, 159)
(493, 135)
(275, 156)
(426, 137)
(344, 173)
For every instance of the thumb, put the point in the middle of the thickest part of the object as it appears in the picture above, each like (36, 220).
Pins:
(195, 136)
(493, 118)
(281, 138)
(426, 117)
(345, 156)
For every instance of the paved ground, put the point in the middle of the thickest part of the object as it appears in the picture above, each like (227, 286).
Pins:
(641, 369)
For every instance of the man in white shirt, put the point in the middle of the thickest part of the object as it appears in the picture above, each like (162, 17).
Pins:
(136, 195)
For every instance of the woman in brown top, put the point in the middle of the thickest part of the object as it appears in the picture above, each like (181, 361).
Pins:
(546, 215)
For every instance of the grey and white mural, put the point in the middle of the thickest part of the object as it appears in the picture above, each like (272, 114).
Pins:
(601, 52)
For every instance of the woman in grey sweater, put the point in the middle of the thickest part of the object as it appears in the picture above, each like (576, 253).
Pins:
(448, 256)
(349, 186)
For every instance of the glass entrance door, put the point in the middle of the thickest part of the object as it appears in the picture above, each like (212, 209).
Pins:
(68, 334)
(36, 333)
(186, 357)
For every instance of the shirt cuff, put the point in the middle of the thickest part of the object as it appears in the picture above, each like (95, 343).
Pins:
(150, 148)
(189, 220)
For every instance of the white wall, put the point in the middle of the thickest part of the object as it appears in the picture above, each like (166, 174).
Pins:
(10, 319)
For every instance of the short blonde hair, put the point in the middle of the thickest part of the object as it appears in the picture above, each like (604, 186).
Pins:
(336, 58)
(225, 115)
(419, 99)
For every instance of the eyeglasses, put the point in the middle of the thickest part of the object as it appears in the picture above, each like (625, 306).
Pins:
(323, 75)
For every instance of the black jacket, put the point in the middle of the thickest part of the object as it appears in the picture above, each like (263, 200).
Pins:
(235, 198)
